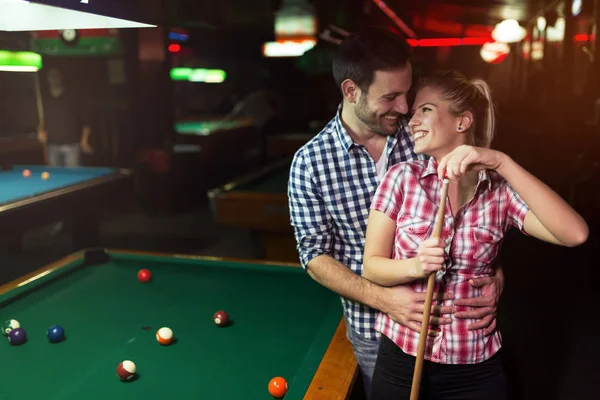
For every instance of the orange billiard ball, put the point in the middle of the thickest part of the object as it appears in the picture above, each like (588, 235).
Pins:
(26, 173)
(278, 387)
(164, 336)
(45, 175)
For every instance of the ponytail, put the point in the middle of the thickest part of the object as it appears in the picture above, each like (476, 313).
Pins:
(489, 122)
(466, 95)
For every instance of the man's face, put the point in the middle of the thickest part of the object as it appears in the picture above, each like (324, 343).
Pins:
(381, 107)
(55, 78)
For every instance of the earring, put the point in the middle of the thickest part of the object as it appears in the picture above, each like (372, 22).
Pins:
(460, 128)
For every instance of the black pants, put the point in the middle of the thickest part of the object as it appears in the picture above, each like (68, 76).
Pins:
(394, 369)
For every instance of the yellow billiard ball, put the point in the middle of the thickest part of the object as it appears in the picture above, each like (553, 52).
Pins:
(45, 175)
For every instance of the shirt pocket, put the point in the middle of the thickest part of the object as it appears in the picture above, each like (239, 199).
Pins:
(487, 241)
(411, 232)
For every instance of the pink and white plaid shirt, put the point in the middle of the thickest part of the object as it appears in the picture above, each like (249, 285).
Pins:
(410, 195)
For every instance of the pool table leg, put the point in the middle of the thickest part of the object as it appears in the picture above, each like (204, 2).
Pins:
(280, 247)
(13, 243)
(85, 232)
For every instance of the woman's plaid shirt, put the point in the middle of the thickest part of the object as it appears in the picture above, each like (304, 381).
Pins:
(331, 184)
(410, 195)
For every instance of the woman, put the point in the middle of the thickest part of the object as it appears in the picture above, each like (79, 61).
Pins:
(488, 193)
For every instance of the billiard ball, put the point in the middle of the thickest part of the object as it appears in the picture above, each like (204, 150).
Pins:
(56, 334)
(278, 387)
(17, 336)
(164, 336)
(45, 175)
(26, 173)
(126, 370)
(221, 318)
(144, 275)
(9, 325)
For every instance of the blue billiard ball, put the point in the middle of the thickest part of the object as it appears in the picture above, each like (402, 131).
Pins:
(56, 333)
(17, 336)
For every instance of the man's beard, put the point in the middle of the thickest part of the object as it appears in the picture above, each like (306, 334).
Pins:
(369, 118)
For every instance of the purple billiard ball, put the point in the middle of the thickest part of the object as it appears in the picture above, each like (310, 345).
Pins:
(17, 336)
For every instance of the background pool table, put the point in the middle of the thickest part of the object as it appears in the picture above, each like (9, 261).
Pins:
(77, 195)
(259, 202)
(223, 150)
(209, 127)
(284, 324)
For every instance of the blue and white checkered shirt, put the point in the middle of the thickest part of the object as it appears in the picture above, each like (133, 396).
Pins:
(331, 185)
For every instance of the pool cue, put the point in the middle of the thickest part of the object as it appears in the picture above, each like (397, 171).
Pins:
(437, 231)
(40, 111)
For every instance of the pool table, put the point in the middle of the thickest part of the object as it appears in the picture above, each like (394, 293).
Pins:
(286, 144)
(75, 195)
(282, 324)
(224, 149)
(207, 127)
(258, 202)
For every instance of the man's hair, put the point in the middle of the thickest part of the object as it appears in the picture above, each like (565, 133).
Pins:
(364, 52)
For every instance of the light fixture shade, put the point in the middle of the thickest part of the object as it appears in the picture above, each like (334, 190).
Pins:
(509, 31)
(19, 15)
(494, 52)
(541, 23)
(537, 51)
(20, 61)
(198, 75)
(556, 33)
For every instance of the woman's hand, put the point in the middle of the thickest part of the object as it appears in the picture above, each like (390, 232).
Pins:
(430, 257)
(463, 158)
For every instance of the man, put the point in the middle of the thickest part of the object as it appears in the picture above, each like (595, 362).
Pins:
(263, 106)
(66, 133)
(333, 178)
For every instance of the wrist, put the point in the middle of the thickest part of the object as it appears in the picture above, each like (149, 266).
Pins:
(416, 271)
(379, 296)
(503, 162)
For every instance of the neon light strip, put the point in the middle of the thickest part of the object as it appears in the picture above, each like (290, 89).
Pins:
(392, 15)
(442, 42)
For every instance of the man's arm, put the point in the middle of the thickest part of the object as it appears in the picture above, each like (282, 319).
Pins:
(484, 307)
(401, 303)
(85, 140)
(313, 231)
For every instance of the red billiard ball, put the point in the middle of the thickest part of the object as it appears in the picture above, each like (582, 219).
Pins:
(278, 387)
(126, 370)
(144, 275)
(221, 318)
(26, 173)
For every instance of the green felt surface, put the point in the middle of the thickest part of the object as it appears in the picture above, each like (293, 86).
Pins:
(282, 325)
(202, 128)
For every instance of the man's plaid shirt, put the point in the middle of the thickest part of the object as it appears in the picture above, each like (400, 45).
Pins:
(332, 182)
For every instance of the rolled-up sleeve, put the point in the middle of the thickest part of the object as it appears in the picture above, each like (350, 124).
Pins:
(308, 213)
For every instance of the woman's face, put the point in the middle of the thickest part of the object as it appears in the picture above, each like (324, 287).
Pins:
(434, 128)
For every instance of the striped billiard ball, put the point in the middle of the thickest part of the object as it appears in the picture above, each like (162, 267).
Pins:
(9, 325)
(126, 370)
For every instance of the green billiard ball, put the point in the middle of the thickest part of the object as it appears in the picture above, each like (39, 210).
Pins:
(9, 325)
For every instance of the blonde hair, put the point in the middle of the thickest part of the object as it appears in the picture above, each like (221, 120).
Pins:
(466, 95)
